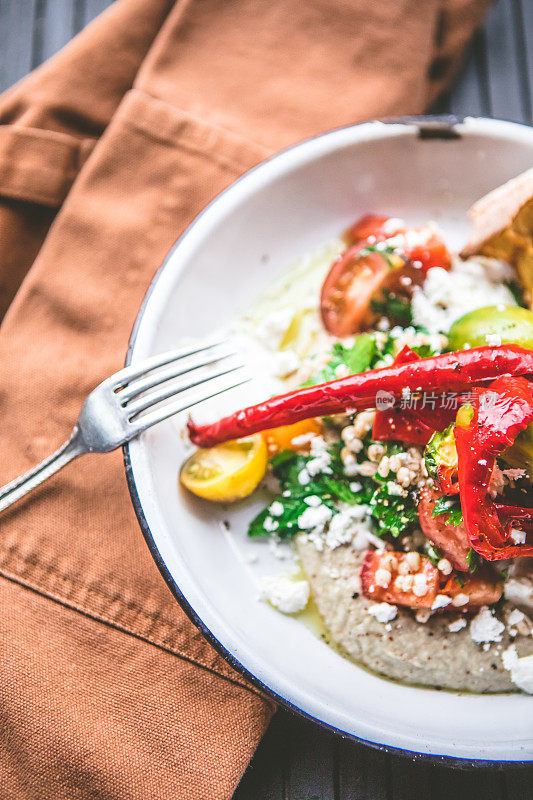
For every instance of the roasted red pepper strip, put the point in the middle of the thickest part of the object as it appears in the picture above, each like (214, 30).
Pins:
(412, 424)
(503, 409)
(449, 372)
(524, 516)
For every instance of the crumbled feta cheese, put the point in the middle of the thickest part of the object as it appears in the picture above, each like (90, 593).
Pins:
(313, 500)
(383, 612)
(303, 439)
(460, 600)
(314, 517)
(457, 625)
(304, 477)
(485, 627)
(341, 371)
(382, 578)
(518, 536)
(444, 566)
(420, 586)
(364, 536)
(349, 522)
(273, 328)
(493, 339)
(287, 595)
(441, 601)
(395, 489)
(355, 486)
(270, 525)
(521, 669)
(276, 509)
(284, 363)
(447, 295)
(509, 657)
(516, 616)
(321, 459)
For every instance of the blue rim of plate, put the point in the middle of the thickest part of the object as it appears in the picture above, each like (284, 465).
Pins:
(430, 126)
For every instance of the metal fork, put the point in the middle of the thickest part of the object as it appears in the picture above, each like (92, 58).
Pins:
(129, 402)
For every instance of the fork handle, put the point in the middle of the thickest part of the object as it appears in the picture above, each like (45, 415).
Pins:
(17, 488)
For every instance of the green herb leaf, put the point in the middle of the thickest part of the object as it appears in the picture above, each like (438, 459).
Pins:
(473, 560)
(356, 359)
(393, 513)
(393, 307)
(383, 250)
(433, 553)
(450, 506)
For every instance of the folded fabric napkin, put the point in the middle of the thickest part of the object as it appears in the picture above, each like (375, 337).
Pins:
(106, 153)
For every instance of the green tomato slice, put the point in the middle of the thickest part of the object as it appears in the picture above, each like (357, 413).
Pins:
(510, 324)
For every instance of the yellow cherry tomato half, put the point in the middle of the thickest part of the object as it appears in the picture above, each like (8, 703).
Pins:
(279, 439)
(227, 472)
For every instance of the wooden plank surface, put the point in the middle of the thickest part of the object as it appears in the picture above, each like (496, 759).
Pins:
(297, 760)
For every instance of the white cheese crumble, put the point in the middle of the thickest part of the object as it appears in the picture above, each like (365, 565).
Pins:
(313, 500)
(276, 509)
(274, 327)
(270, 525)
(285, 363)
(493, 339)
(457, 625)
(521, 669)
(485, 627)
(314, 517)
(460, 599)
(321, 459)
(515, 617)
(287, 595)
(420, 586)
(383, 612)
(304, 477)
(441, 601)
(518, 536)
(382, 578)
(447, 295)
(444, 566)
(348, 523)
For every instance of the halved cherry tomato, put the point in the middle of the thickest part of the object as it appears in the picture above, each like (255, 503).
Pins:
(369, 225)
(452, 540)
(393, 593)
(227, 472)
(355, 279)
(278, 439)
(423, 246)
(483, 588)
(433, 253)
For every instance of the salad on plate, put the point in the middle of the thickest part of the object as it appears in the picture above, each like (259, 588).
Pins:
(395, 439)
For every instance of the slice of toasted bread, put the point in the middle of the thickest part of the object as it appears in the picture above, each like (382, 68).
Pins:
(503, 227)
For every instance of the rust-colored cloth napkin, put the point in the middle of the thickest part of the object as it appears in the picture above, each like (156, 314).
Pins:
(106, 153)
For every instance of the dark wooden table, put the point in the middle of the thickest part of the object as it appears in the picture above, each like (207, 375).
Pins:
(297, 760)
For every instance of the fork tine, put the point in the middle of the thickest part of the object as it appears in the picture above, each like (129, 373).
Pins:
(169, 391)
(132, 372)
(136, 387)
(148, 420)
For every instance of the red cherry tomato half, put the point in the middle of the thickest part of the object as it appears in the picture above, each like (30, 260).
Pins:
(452, 540)
(432, 254)
(349, 286)
(369, 225)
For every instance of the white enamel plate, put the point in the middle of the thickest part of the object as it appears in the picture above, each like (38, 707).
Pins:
(418, 169)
